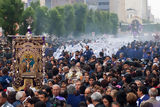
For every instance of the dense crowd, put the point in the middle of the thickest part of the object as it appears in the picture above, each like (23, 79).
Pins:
(56, 43)
(130, 78)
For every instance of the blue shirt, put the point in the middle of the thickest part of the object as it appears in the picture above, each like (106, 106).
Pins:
(16, 103)
(48, 104)
(5, 81)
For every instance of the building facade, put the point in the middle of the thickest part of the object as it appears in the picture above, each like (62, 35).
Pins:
(140, 6)
(150, 15)
(48, 3)
(55, 3)
(27, 3)
(127, 10)
(103, 5)
(91, 4)
(118, 7)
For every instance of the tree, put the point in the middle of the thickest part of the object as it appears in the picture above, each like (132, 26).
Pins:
(80, 18)
(114, 20)
(90, 24)
(35, 4)
(10, 15)
(29, 12)
(97, 21)
(69, 19)
(41, 20)
(107, 24)
(1, 19)
(60, 10)
(55, 23)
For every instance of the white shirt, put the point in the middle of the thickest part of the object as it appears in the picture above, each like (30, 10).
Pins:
(90, 105)
(142, 97)
(7, 104)
(158, 98)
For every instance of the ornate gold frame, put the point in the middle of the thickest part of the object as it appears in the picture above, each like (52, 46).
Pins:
(28, 62)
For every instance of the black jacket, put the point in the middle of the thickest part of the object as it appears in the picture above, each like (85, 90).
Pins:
(99, 105)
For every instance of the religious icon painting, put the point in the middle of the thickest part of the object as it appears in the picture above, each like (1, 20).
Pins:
(28, 62)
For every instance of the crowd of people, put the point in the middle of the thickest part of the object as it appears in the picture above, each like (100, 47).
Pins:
(130, 78)
(105, 43)
(53, 45)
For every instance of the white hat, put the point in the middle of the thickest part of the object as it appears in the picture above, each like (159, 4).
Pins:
(19, 95)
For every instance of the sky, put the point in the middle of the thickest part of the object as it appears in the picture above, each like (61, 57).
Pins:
(155, 7)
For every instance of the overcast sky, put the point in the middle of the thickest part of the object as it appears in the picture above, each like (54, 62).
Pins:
(155, 7)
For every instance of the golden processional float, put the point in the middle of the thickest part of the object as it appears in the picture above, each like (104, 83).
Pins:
(28, 60)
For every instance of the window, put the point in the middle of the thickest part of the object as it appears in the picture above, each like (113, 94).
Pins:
(103, 3)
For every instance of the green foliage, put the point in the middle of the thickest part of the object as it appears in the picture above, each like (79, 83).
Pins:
(1, 19)
(146, 28)
(62, 17)
(69, 19)
(151, 28)
(77, 19)
(101, 22)
(56, 23)
(80, 18)
(35, 5)
(41, 21)
(90, 24)
(60, 21)
(146, 21)
(29, 12)
(10, 15)
(114, 20)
